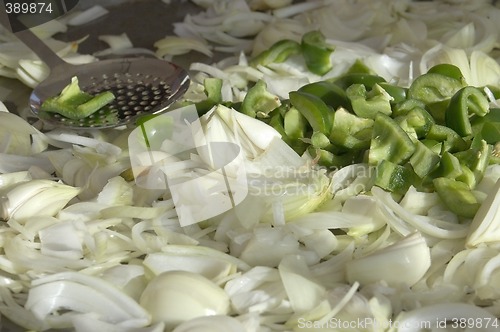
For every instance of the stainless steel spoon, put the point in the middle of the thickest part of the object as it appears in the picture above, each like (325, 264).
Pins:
(141, 85)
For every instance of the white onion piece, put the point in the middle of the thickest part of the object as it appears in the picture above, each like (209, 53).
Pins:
(116, 42)
(37, 198)
(72, 138)
(299, 8)
(210, 267)
(485, 226)
(427, 225)
(173, 45)
(404, 262)
(62, 240)
(14, 177)
(303, 292)
(88, 15)
(89, 322)
(88, 294)
(174, 297)
(211, 324)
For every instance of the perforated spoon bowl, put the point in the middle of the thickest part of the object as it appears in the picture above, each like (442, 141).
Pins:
(141, 86)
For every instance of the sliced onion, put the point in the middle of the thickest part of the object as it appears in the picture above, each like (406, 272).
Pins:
(88, 15)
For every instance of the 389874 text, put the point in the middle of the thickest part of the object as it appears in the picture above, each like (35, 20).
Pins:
(470, 323)
(28, 7)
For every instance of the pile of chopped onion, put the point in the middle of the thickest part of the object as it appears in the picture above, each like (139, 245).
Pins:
(110, 231)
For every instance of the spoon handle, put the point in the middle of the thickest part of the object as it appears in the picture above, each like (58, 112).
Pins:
(28, 38)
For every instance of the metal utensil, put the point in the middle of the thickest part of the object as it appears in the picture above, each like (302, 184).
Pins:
(141, 85)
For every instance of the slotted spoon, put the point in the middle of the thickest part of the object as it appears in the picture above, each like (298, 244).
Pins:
(141, 86)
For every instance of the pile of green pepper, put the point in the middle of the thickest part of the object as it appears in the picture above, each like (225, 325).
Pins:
(439, 134)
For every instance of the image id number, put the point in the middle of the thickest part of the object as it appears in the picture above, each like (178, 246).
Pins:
(474, 323)
(28, 8)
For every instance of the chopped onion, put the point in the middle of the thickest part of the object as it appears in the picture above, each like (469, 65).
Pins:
(174, 297)
(404, 262)
(50, 295)
(88, 15)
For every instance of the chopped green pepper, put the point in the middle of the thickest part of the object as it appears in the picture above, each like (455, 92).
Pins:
(320, 140)
(351, 131)
(487, 126)
(329, 159)
(393, 177)
(359, 67)
(423, 160)
(476, 158)
(457, 197)
(389, 142)
(213, 91)
(467, 176)
(259, 101)
(449, 166)
(397, 93)
(330, 93)
(368, 80)
(294, 123)
(449, 70)
(466, 101)
(367, 104)
(75, 104)
(318, 114)
(433, 145)
(451, 140)
(432, 87)
(278, 52)
(316, 52)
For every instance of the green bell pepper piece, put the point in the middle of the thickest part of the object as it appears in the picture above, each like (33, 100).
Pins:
(415, 115)
(432, 88)
(213, 91)
(477, 158)
(487, 126)
(368, 80)
(330, 93)
(331, 160)
(389, 142)
(75, 104)
(258, 101)
(420, 120)
(393, 177)
(404, 107)
(423, 160)
(351, 131)
(449, 70)
(457, 196)
(359, 67)
(294, 123)
(316, 52)
(451, 140)
(318, 114)
(278, 52)
(367, 104)
(449, 166)
(433, 145)
(397, 93)
(463, 104)
(320, 140)
(277, 121)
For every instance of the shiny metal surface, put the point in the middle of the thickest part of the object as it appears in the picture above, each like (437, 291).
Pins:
(141, 86)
